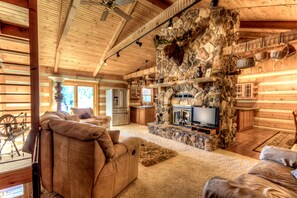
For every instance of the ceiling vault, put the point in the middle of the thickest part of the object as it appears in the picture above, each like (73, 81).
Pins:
(113, 39)
(156, 22)
(64, 31)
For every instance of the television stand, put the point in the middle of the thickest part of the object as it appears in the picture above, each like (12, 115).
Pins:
(203, 130)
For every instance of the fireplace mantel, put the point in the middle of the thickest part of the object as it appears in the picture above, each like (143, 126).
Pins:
(184, 82)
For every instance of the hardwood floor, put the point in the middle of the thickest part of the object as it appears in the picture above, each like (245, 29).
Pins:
(248, 140)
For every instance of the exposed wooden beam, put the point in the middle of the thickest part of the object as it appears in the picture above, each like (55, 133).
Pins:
(13, 30)
(160, 3)
(64, 30)
(156, 22)
(257, 44)
(34, 71)
(113, 39)
(21, 3)
(287, 25)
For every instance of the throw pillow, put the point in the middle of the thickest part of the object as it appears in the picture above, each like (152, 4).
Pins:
(85, 116)
(72, 117)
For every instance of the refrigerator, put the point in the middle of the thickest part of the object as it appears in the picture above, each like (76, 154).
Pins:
(117, 106)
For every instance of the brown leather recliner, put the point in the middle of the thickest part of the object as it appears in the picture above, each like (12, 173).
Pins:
(81, 160)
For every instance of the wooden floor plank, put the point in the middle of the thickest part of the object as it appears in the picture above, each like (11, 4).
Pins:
(248, 140)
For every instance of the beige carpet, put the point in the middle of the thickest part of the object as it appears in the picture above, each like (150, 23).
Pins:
(184, 175)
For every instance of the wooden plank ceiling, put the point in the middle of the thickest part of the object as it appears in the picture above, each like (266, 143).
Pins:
(85, 39)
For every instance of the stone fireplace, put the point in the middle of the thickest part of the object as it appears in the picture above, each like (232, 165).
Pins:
(197, 38)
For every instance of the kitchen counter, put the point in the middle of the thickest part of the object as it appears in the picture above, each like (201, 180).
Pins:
(142, 114)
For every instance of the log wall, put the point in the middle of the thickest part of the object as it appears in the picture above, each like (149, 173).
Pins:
(276, 88)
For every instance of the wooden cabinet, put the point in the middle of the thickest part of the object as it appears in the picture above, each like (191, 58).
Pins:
(245, 118)
(142, 115)
(135, 92)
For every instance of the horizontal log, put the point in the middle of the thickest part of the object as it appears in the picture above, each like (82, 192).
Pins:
(268, 105)
(21, 3)
(13, 30)
(275, 123)
(9, 74)
(274, 115)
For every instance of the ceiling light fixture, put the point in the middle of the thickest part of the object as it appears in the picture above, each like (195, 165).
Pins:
(170, 24)
(214, 3)
(138, 43)
(105, 63)
(118, 54)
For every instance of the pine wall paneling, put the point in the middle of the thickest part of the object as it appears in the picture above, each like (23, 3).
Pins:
(277, 93)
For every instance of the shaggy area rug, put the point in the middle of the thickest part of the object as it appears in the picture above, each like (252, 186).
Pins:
(151, 154)
(280, 139)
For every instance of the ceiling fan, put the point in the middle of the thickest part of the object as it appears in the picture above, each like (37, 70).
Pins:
(111, 5)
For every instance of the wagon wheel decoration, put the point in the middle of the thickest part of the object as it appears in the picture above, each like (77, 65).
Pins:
(7, 124)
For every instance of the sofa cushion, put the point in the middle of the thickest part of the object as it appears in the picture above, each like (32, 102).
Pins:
(219, 187)
(80, 111)
(286, 157)
(276, 173)
(266, 187)
(84, 132)
(85, 116)
(72, 117)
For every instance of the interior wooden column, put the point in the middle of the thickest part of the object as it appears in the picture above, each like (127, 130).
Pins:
(34, 70)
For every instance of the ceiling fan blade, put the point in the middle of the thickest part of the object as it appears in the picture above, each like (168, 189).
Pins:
(122, 14)
(123, 2)
(104, 15)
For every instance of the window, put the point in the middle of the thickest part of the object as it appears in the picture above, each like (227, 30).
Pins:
(244, 91)
(78, 95)
(147, 95)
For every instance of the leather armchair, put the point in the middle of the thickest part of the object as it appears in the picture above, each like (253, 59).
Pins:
(81, 160)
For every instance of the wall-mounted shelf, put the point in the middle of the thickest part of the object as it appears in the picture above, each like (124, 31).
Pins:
(184, 82)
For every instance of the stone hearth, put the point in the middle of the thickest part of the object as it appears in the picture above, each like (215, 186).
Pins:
(197, 38)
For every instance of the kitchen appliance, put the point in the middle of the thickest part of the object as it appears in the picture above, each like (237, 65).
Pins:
(117, 106)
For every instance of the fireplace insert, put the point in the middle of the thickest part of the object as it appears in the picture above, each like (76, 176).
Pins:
(182, 115)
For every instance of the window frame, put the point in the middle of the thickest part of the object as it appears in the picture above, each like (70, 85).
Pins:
(151, 95)
(243, 94)
(77, 84)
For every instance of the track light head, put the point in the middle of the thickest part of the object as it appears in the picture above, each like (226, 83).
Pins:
(105, 63)
(170, 24)
(138, 43)
(214, 3)
(118, 54)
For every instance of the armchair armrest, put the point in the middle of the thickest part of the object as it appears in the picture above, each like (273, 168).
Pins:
(115, 136)
(283, 156)
(132, 144)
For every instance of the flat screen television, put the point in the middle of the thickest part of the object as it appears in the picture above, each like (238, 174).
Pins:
(205, 116)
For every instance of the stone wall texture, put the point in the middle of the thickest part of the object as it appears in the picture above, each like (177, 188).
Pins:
(200, 35)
